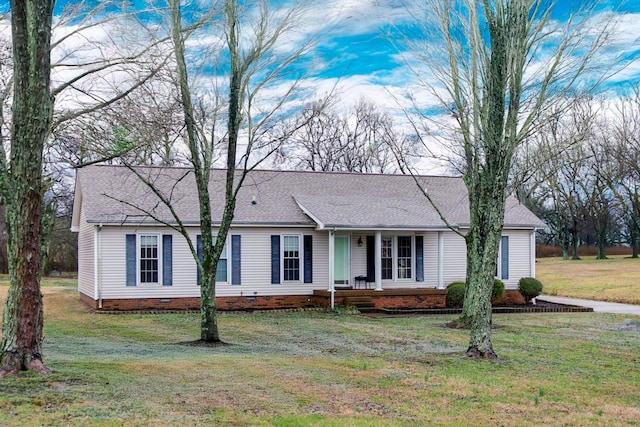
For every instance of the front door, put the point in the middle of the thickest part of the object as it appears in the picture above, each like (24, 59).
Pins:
(342, 260)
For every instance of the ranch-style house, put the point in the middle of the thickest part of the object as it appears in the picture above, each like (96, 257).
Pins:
(298, 239)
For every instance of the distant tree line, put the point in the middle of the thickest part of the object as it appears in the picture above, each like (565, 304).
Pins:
(581, 175)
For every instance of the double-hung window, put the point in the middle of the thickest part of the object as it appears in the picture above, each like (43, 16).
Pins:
(149, 259)
(397, 257)
(387, 257)
(291, 258)
(221, 271)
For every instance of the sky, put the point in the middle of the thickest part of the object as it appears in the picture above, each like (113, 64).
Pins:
(362, 49)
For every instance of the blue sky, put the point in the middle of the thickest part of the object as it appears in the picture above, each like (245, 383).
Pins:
(361, 47)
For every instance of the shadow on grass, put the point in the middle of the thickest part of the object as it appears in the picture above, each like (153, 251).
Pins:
(204, 344)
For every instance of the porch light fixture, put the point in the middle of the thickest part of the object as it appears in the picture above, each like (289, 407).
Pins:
(360, 241)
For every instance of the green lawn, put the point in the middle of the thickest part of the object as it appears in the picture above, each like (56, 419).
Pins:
(322, 369)
(615, 279)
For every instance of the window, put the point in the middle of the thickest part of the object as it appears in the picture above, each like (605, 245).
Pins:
(149, 260)
(288, 258)
(221, 271)
(397, 251)
(502, 265)
(405, 255)
(291, 258)
(387, 257)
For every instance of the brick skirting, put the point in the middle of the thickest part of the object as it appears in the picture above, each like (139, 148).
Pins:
(275, 302)
(387, 299)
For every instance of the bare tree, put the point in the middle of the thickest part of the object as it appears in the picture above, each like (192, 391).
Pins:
(238, 126)
(21, 183)
(625, 148)
(361, 139)
(496, 79)
(83, 87)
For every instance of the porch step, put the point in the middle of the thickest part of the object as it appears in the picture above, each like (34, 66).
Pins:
(363, 304)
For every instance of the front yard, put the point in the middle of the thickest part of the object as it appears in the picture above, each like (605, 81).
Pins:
(322, 369)
(616, 279)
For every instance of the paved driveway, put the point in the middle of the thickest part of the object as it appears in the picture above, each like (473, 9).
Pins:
(598, 306)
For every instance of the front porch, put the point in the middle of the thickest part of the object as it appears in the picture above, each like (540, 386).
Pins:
(390, 299)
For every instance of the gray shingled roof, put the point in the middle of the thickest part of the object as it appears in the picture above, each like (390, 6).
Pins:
(110, 194)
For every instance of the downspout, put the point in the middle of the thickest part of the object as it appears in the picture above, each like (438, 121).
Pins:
(440, 260)
(332, 285)
(532, 259)
(99, 265)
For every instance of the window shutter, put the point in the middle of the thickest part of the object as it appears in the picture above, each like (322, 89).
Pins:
(275, 260)
(308, 259)
(419, 258)
(167, 260)
(199, 251)
(371, 258)
(235, 259)
(505, 258)
(131, 259)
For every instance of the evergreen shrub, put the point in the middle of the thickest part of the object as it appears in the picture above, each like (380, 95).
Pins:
(498, 289)
(455, 294)
(530, 288)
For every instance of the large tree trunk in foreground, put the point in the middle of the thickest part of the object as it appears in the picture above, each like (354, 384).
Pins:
(22, 185)
(487, 202)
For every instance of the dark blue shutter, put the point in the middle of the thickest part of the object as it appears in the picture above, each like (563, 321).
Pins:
(419, 259)
(505, 258)
(199, 251)
(371, 258)
(275, 259)
(167, 260)
(131, 259)
(235, 259)
(308, 259)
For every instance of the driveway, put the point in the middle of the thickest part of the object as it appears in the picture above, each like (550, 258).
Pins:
(598, 306)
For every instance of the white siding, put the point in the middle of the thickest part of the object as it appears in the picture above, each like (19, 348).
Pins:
(519, 256)
(358, 257)
(255, 265)
(455, 258)
(431, 260)
(86, 258)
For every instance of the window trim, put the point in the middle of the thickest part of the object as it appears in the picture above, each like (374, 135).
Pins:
(394, 257)
(225, 248)
(412, 258)
(499, 267)
(139, 259)
(300, 258)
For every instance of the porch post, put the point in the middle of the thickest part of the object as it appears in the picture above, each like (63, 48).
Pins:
(378, 261)
(332, 286)
(440, 260)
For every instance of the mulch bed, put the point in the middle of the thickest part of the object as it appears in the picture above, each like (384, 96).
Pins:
(539, 307)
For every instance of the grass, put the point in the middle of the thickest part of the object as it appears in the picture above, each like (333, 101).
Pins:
(615, 279)
(322, 369)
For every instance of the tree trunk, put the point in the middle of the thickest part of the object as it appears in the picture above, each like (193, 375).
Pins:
(601, 248)
(23, 187)
(575, 242)
(487, 204)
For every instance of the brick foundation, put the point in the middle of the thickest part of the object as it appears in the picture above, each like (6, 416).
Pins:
(276, 302)
(401, 299)
(389, 299)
